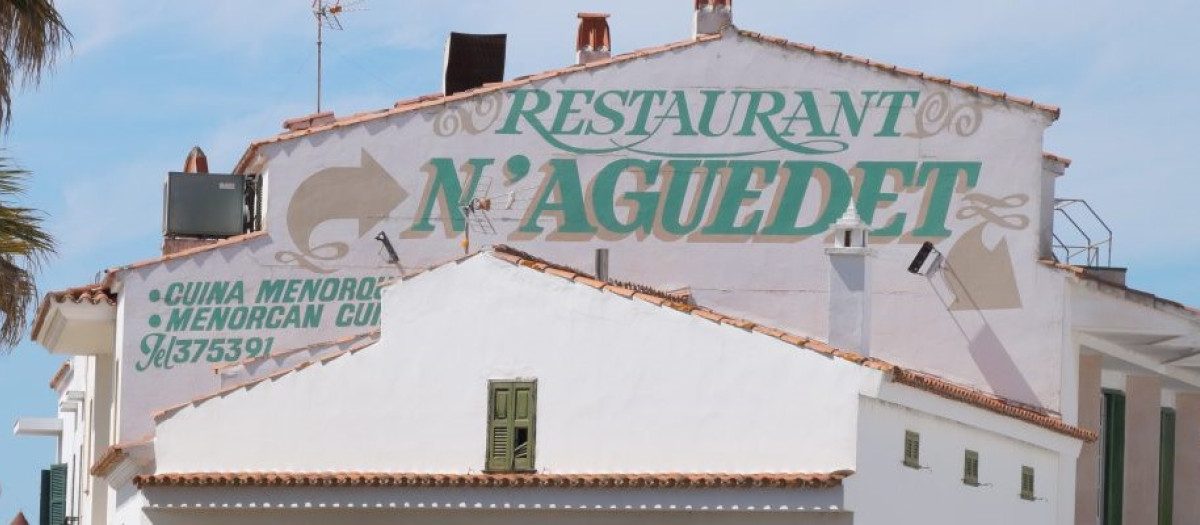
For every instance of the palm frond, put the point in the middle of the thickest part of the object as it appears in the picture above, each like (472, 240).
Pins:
(24, 246)
(31, 34)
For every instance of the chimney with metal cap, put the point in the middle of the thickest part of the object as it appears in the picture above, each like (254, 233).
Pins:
(713, 16)
(593, 42)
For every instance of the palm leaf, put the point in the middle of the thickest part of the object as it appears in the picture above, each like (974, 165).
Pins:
(31, 34)
(24, 245)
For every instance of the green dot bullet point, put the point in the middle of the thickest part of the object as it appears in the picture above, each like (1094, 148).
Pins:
(154, 296)
(155, 320)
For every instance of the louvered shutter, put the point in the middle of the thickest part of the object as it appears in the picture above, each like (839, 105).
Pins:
(44, 504)
(524, 406)
(1027, 483)
(58, 494)
(499, 454)
(912, 449)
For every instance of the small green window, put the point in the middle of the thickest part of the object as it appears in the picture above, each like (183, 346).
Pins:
(971, 468)
(1027, 483)
(912, 449)
(511, 410)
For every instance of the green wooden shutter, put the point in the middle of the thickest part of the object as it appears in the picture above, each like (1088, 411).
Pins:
(1027, 483)
(524, 406)
(512, 406)
(1166, 467)
(44, 504)
(499, 455)
(912, 449)
(58, 494)
(1113, 432)
(971, 468)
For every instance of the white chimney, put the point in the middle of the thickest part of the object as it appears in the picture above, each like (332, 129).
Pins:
(593, 42)
(850, 284)
(713, 16)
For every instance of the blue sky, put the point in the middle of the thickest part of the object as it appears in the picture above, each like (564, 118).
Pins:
(147, 80)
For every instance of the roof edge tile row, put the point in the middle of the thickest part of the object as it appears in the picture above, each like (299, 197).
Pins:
(921, 381)
(433, 100)
(583, 481)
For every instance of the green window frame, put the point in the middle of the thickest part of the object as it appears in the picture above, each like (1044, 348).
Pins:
(1166, 467)
(971, 468)
(1027, 483)
(53, 504)
(511, 439)
(912, 449)
(1113, 457)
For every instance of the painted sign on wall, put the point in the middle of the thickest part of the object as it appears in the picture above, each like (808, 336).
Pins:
(227, 321)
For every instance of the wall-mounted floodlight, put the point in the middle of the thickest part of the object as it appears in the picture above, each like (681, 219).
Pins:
(922, 255)
(387, 245)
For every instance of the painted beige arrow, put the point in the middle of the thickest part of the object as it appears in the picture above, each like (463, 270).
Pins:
(366, 193)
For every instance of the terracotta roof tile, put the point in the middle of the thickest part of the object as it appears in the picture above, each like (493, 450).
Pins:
(910, 378)
(913, 379)
(1056, 158)
(379, 479)
(960, 393)
(95, 294)
(427, 101)
(60, 374)
(236, 239)
(113, 456)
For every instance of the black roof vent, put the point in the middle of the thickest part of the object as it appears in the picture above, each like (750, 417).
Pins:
(472, 61)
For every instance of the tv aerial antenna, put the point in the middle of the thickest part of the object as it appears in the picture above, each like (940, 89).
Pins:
(326, 14)
(475, 211)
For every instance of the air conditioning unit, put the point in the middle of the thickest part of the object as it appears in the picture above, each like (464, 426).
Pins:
(204, 205)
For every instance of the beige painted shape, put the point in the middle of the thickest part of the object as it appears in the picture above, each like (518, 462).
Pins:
(981, 278)
(1087, 467)
(1143, 398)
(1187, 459)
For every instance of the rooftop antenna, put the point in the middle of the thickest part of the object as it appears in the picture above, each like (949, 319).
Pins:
(475, 211)
(326, 14)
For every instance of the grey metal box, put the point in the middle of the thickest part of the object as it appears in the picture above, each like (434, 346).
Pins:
(203, 204)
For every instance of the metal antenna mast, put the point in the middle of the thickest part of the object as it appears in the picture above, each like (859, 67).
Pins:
(326, 15)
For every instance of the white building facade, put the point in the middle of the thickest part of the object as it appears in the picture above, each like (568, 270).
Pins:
(714, 170)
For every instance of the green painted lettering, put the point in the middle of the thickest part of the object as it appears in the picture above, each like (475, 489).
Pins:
(737, 193)
(677, 194)
(871, 194)
(563, 183)
(446, 189)
(517, 110)
(566, 109)
(615, 118)
(644, 203)
(945, 182)
(799, 175)
(895, 103)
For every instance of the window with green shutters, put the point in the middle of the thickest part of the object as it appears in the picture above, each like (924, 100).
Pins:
(54, 495)
(1027, 483)
(971, 468)
(1166, 467)
(512, 406)
(912, 449)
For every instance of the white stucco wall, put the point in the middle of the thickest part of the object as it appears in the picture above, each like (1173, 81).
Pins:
(623, 386)
(947, 323)
(884, 490)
